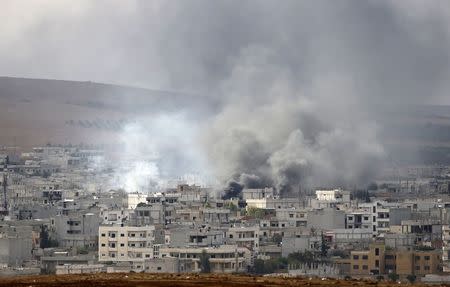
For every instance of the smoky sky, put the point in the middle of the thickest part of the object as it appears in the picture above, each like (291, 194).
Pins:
(299, 84)
(194, 45)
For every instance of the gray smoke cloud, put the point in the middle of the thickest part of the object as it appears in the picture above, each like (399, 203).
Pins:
(297, 88)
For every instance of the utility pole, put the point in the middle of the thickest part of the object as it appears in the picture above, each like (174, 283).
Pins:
(5, 185)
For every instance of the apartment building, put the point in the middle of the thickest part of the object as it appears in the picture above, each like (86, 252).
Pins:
(244, 236)
(404, 262)
(222, 259)
(77, 229)
(368, 262)
(358, 220)
(379, 212)
(119, 243)
(446, 248)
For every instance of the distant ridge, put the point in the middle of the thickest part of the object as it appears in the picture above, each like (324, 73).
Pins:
(38, 111)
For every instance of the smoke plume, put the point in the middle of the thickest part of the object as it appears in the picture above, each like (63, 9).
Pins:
(294, 91)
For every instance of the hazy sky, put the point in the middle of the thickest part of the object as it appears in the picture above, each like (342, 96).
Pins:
(194, 45)
(299, 84)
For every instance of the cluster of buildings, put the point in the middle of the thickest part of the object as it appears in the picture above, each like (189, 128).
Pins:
(62, 216)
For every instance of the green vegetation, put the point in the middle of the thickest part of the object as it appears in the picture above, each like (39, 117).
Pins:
(83, 250)
(340, 253)
(205, 265)
(232, 207)
(411, 278)
(257, 213)
(424, 248)
(281, 264)
(46, 241)
(269, 266)
(277, 238)
(324, 247)
(301, 257)
(393, 277)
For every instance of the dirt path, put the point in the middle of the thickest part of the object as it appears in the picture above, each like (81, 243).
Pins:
(174, 280)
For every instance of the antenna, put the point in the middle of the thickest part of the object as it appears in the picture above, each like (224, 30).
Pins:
(5, 185)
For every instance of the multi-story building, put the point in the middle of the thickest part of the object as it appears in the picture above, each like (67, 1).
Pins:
(77, 229)
(119, 243)
(368, 262)
(404, 262)
(358, 220)
(222, 259)
(16, 244)
(446, 248)
(379, 211)
(244, 236)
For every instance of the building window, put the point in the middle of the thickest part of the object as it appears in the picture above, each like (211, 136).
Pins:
(355, 257)
(377, 251)
(103, 244)
(350, 218)
(417, 258)
(426, 257)
(122, 245)
(103, 234)
(159, 268)
(426, 268)
(417, 267)
(377, 263)
(366, 218)
(122, 235)
(355, 267)
(365, 257)
(365, 267)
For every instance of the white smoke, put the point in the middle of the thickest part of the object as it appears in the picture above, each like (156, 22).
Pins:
(158, 150)
(141, 177)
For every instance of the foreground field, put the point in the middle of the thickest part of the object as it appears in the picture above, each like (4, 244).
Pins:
(173, 280)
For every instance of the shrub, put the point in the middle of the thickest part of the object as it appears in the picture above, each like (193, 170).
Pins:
(393, 276)
(411, 278)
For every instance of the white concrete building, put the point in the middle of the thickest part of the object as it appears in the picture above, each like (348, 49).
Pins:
(131, 200)
(222, 259)
(126, 244)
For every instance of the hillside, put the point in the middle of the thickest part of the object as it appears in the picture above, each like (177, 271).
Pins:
(36, 111)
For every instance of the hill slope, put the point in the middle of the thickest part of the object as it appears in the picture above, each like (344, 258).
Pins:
(36, 111)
